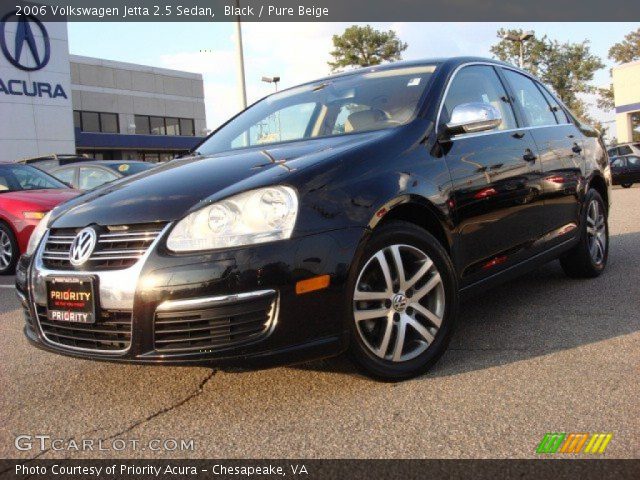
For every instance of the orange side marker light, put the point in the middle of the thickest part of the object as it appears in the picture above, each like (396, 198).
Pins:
(312, 284)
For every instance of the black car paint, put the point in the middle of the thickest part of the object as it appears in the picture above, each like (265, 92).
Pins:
(348, 185)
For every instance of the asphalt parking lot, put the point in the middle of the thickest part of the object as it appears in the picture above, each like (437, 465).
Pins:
(541, 354)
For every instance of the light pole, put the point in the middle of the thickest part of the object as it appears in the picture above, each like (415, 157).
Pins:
(240, 54)
(519, 39)
(273, 80)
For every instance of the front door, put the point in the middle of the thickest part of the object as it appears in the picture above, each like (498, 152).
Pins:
(495, 178)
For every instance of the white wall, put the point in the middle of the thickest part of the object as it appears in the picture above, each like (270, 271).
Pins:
(32, 126)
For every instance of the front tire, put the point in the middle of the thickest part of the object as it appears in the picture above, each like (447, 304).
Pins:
(626, 185)
(9, 253)
(589, 258)
(403, 302)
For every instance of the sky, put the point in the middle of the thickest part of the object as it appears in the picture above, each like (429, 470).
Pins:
(298, 52)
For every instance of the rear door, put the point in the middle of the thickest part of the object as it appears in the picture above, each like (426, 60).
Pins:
(633, 165)
(560, 144)
(495, 180)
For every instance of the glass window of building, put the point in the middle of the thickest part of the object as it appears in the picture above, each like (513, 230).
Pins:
(186, 127)
(76, 119)
(109, 123)
(90, 122)
(142, 125)
(157, 126)
(635, 126)
(173, 126)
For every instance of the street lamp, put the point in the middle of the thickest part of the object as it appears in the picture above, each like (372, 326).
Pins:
(240, 60)
(273, 80)
(519, 39)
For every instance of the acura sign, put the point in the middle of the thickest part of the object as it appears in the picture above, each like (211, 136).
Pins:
(29, 53)
(36, 111)
(16, 51)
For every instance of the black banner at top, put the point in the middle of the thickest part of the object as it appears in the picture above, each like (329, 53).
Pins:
(325, 10)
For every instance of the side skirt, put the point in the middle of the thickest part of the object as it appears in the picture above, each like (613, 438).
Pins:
(517, 270)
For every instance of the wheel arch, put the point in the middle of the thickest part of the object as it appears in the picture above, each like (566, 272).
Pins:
(418, 211)
(599, 184)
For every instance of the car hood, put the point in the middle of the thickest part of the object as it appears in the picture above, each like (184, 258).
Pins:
(170, 191)
(41, 200)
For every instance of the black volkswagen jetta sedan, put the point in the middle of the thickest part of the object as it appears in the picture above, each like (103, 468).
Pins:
(349, 213)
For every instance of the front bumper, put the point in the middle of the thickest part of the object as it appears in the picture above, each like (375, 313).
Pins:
(237, 307)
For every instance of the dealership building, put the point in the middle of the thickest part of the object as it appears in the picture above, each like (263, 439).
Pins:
(626, 87)
(52, 102)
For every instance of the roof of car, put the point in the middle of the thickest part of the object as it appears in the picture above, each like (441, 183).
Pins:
(106, 163)
(453, 61)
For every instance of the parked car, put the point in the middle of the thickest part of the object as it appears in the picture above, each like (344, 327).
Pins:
(632, 148)
(349, 213)
(50, 162)
(89, 175)
(625, 170)
(26, 195)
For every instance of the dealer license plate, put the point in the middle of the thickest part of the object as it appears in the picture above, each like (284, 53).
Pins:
(71, 299)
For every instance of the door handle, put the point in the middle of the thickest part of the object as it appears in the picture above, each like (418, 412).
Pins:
(576, 148)
(529, 156)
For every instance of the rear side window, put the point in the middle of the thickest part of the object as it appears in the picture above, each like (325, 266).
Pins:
(633, 161)
(558, 111)
(624, 150)
(534, 105)
(479, 83)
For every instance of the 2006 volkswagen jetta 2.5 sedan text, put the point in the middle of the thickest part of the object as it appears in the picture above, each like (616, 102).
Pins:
(350, 213)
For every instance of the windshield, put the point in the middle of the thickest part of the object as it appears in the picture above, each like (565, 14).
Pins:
(337, 106)
(14, 178)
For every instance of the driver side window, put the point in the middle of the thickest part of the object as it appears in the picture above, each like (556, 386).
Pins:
(479, 83)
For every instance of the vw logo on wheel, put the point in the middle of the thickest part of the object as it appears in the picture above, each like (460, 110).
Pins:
(83, 246)
(22, 48)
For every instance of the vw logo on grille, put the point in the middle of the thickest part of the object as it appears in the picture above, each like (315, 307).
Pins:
(83, 246)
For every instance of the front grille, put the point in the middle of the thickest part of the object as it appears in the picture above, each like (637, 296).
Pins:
(111, 332)
(117, 247)
(215, 327)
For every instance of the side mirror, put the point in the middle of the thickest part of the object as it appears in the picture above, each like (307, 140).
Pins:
(473, 117)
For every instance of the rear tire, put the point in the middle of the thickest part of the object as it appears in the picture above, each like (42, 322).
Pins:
(588, 258)
(9, 251)
(401, 318)
(626, 185)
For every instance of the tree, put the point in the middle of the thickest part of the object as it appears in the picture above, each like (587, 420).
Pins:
(567, 68)
(365, 46)
(625, 51)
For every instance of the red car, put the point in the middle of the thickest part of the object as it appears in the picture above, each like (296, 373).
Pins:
(26, 195)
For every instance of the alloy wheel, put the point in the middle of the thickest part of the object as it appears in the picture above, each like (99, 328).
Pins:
(596, 232)
(398, 303)
(6, 250)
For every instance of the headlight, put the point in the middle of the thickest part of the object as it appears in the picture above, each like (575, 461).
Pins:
(257, 216)
(37, 234)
